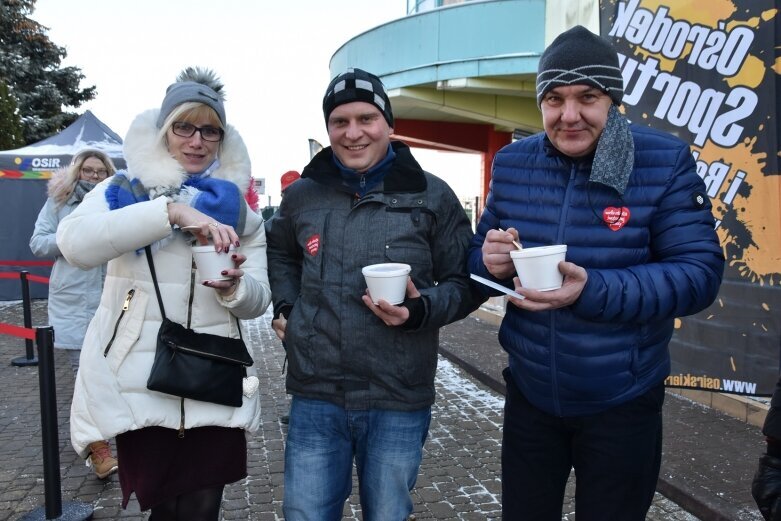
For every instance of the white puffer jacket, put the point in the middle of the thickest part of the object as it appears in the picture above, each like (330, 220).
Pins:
(110, 395)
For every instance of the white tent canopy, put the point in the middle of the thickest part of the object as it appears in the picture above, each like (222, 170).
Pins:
(86, 132)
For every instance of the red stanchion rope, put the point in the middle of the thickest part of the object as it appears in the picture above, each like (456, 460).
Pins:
(37, 278)
(26, 263)
(33, 278)
(18, 331)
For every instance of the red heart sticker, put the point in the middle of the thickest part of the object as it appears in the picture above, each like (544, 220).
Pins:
(313, 244)
(615, 218)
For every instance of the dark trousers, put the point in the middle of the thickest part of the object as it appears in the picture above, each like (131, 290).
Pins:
(616, 455)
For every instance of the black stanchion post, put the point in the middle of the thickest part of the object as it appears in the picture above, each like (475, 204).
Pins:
(51, 445)
(54, 508)
(29, 358)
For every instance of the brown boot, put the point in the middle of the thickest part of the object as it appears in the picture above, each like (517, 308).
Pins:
(100, 459)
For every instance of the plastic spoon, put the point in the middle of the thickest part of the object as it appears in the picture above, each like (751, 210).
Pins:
(517, 244)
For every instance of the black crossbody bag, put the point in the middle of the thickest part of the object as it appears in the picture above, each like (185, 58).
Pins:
(199, 366)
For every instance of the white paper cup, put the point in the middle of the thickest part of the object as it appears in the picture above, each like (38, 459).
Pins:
(538, 268)
(387, 281)
(211, 263)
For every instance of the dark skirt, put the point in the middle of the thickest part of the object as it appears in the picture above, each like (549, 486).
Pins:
(156, 464)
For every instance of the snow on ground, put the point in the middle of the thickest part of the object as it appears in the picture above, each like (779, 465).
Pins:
(453, 379)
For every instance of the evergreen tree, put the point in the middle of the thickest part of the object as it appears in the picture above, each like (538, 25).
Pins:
(10, 126)
(30, 66)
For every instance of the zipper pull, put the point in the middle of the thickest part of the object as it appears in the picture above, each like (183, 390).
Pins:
(129, 297)
(363, 180)
(125, 307)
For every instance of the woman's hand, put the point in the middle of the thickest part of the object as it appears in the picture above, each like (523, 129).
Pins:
(227, 287)
(203, 227)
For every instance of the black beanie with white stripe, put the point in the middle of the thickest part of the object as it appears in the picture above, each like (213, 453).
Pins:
(579, 57)
(357, 85)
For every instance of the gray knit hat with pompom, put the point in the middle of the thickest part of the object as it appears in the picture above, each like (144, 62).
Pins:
(194, 84)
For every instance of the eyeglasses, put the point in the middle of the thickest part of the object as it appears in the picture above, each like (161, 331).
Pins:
(91, 172)
(182, 129)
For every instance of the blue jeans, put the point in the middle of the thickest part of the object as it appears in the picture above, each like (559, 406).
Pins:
(322, 440)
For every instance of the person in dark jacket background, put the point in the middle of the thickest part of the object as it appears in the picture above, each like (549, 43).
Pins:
(287, 179)
(766, 487)
(362, 375)
(587, 362)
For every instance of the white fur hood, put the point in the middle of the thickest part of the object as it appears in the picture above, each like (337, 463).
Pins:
(149, 161)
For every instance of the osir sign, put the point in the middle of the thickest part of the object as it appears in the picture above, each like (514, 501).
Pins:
(45, 162)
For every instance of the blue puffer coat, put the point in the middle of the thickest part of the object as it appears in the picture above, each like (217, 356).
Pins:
(665, 262)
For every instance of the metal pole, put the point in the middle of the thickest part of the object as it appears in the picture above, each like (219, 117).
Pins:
(44, 336)
(29, 358)
(74, 511)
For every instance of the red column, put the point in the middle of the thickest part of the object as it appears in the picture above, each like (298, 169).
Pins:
(456, 137)
(496, 140)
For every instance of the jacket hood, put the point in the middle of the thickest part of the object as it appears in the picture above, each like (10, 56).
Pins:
(58, 184)
(149, 161)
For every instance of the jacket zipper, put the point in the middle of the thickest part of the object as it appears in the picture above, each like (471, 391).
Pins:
(181, 418)
(322, 245)
(192, 294)
(183, 349)
(560, 238)
(175, 347)
(125, 307)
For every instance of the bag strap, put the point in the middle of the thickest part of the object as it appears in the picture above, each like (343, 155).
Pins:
(151, 263)
(154, 279)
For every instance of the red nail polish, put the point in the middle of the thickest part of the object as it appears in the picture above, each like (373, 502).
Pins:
(226, 249)
(234, 256)
(206, 283)
(237, 244)
(224, 272)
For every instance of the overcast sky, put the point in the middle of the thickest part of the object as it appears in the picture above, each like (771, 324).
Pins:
(272, 56)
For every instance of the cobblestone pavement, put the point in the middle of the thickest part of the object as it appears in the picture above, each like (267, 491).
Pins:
(459, 478)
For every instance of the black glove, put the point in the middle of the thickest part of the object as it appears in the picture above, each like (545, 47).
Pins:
(766, 487)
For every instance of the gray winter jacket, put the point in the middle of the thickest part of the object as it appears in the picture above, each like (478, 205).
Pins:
(319, 240)
(74, 294)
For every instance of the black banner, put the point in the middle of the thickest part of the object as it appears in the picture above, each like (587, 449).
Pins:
(708, 71)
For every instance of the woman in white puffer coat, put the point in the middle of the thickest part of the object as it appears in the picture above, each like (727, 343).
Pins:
(186, 169)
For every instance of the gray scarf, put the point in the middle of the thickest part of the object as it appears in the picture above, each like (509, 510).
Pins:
(81, 189)
(615, 154)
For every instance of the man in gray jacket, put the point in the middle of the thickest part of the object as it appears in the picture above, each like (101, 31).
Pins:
(362, 375)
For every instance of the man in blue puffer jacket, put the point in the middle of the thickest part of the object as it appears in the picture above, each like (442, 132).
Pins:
(587, 361)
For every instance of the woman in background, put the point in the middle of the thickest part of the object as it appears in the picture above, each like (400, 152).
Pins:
(74, 293)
